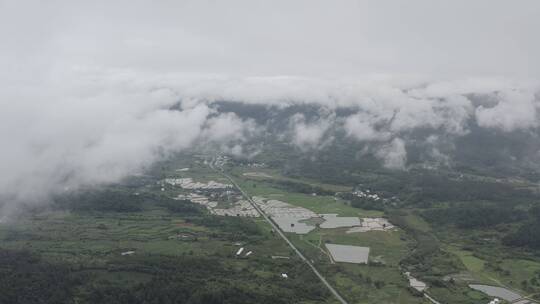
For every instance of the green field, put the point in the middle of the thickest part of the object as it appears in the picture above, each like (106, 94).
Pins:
(318, 204)
(273, 174)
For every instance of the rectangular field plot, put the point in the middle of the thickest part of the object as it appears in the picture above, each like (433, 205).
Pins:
(332, 220)
(349, 254)
(293, 224)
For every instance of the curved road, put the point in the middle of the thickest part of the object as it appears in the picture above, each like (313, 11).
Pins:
(283, 236)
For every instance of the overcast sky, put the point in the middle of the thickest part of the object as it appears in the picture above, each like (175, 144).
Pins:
(311, 38)
(86, 84)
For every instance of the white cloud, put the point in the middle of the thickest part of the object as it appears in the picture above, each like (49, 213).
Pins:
(393, 154)
(515, 110)
(66, 135)
(228, 126)
(361, 126)
(310, 135)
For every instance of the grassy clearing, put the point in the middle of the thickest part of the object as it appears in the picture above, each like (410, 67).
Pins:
(386, 247)
(327, 204)
(417, 222)
(274, 174)
(472, 263)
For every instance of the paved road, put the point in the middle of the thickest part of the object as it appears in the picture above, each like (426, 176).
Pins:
(430, 298)
(284, 237)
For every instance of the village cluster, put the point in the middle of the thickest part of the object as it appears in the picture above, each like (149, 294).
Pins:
(376, 197)
(188, 183)
(366, 194)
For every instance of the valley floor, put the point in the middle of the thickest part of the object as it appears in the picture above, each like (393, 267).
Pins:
(366, 256)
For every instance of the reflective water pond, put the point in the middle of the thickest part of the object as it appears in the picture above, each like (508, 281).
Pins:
(498, 292)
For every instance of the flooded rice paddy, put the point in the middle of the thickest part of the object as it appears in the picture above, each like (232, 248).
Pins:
(498, 292)
(348, 253)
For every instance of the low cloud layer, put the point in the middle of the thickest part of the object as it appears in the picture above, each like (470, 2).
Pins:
(97, 127)
(61, 137)
(393, 154)
(311, 135)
